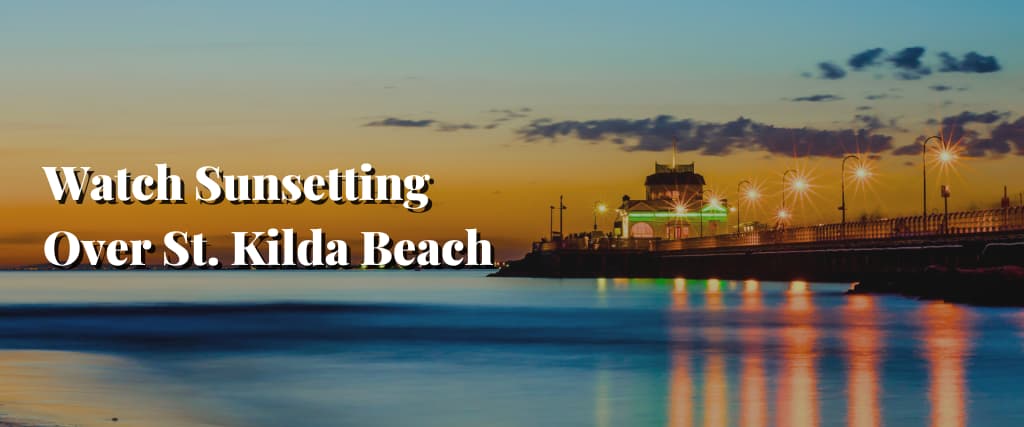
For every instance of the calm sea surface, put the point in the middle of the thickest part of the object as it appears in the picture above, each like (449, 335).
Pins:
(383, 348)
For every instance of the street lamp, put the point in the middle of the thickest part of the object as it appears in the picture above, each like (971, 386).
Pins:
(946, 192)
(784, 175)
(781, 218)
(551, 223)
(924, 174)
(680, 213)
(861, 173)
(599, 208)
(799, 184)
(751, 195)
(700, 214)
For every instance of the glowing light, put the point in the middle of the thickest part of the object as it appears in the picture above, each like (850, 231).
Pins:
(752, 194)
(707, 215)
(862, 172)
(751, 286)
(783, 214)
(680, 209)
(798, 287)
(800, 184)
(601, 208)
(946, 156)
(714, 202)
(680, 285)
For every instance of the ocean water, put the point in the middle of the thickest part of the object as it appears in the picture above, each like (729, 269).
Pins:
(455, 348)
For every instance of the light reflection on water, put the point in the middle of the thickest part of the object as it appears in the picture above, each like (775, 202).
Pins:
(454, 348)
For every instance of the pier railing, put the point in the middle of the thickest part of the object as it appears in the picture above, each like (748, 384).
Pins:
(911, 227)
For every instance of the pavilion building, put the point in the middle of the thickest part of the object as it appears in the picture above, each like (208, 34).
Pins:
(674, 207)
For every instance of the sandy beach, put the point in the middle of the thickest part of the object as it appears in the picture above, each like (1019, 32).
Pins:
(58, 388)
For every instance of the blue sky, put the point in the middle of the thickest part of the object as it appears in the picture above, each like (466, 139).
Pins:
(253, 84)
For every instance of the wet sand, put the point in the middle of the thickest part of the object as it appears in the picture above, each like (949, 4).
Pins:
(56, 389)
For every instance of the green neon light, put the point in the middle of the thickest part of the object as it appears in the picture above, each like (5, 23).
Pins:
(707, 215)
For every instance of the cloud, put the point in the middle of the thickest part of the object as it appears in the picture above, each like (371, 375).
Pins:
(1002, 139)
(865, 59)
(878, 96)
(826, 97)
(830, 71)
(709, 138)
(452, 127)
(909, 149)
(424, 123)
(972, 62)
(875, 123)
(966, 117)
(506, 114)
(864, 108)
(908, 63)
(940, 88)
(403, 123)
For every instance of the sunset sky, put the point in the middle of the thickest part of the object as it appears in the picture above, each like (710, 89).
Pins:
(506, 104)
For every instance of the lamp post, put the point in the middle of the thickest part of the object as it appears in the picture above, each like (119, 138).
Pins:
(739, 194)
(946, 192)
(784, 175)
(680, 212)
(561, 209)
(842, 191)
(551, 223)
(598, 208)
(700, 214)
(924, 174)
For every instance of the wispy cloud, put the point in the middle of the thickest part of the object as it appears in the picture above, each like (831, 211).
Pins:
(402, 123)
(709, 138)
(422, 123)
(824, 97)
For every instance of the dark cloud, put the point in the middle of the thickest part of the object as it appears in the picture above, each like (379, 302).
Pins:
(907, 59)
(972, 62)
(509, 113)
(452, 127)
(875, 123)
(909, 149)
(505, 115)
(709, 138)
(966, 117)
(1002, 139)
(908, 63)
(825, 97)
(865, 59)
(830, 71)
(940, 88)
(407, 123)
(864, 108)
(403, 123)
(869, 122)
(878, 96)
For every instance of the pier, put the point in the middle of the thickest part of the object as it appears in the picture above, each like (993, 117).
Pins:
(887, 249)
